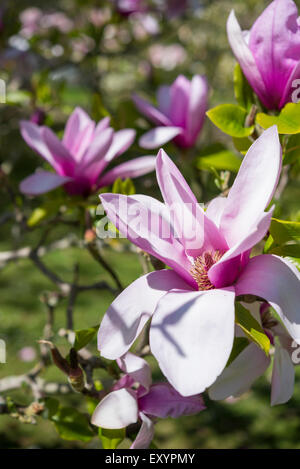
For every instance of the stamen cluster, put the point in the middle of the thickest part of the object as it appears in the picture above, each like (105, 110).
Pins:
(201, 266)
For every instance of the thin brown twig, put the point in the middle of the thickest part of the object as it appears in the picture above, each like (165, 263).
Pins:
(95, 253)
(282, 183)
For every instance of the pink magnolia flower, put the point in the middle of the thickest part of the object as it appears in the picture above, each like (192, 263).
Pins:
(127, 404)
(180, 114)
(270, 53)
(252, 362)
(80, 159)
(192, 303)
(126, 7)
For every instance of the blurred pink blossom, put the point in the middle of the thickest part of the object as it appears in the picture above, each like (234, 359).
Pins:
(180, 114)
(82, 156)
(127, 7)
(27, 354)
(99, 16)
(35, 21)
(167, 57)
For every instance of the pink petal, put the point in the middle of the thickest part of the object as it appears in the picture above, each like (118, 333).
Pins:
(283, 377)
(191, 337)
(164, 99)
(164, 401)
(41, 182)
(253, 187)
(122, 140)
(245, 58)
(95, 152)
(195, 230)
(197, 107)
(150, 111)
(278, 282)
(143, 222)
(102, 125)
(226, 270)
(145, 434)
(78, 132)
(116, 410)
(61, 155)
(137, 368)
(159, 136)
(239, 376)
(129, 312)
(287, 96)
(180, 95)
(129, 169)
(33, 136)
(215, 209)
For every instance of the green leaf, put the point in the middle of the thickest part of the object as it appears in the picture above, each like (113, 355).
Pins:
(128, 187)
(111, 438)
(49, 208)
(242, 90)
(51, 407)
(269, 244)
(283, 231)
(84, 337)
(91, 404)
(292, 150)
(288, 250)
(251, 328)
(230, 119)
(117, 186)
(37, 216)
(72, 425)
(239, 344)
(123, 187)
(242, 144)
(288, 121)
(221, 159)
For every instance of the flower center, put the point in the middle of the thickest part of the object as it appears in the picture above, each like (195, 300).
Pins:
(201, 266)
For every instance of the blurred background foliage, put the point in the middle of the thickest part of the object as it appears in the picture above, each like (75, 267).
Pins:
(53, 57)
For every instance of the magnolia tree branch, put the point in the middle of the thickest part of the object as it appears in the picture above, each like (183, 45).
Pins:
(24, 253)
(96, 254)
(284, 179)
(11, 383)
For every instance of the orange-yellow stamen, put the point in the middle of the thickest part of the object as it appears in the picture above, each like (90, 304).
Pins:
(201, 266)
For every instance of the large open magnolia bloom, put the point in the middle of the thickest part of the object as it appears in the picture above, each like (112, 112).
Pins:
(252, 362)
(269, 54)
(180, 114)
(135, 398)
(82, 156)
(192, 304)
